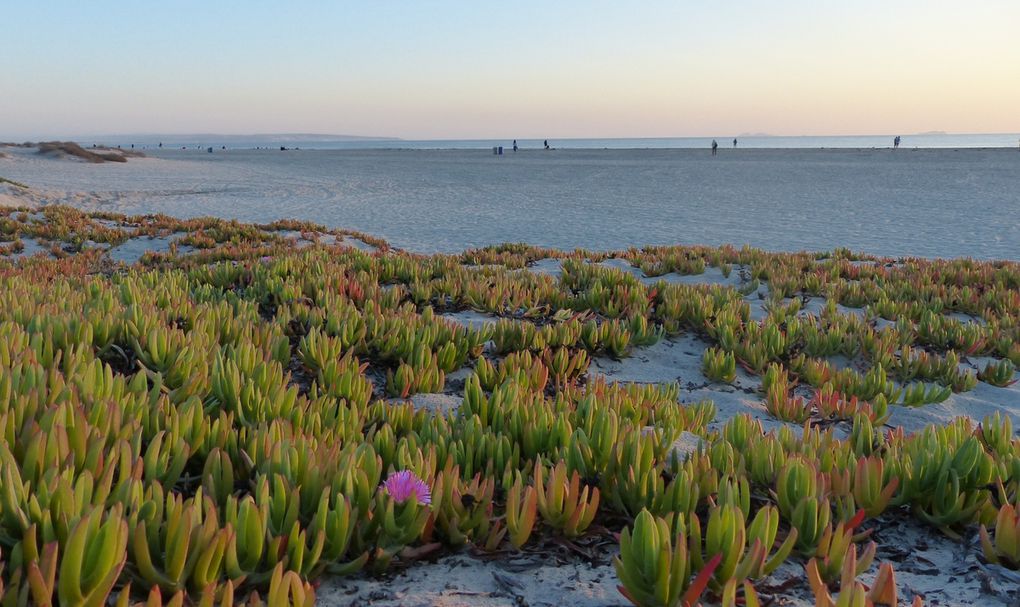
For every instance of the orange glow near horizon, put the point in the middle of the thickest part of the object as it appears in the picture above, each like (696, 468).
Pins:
(573, 69)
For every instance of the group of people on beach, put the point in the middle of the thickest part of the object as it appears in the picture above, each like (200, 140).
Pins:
(715, 146)
(544, 143)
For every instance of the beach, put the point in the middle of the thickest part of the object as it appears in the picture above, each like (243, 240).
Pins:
(530, 304)
(925, 202)
(887, 205)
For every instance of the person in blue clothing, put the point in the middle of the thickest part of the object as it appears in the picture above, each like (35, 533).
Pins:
(715, 147)
(515, 145)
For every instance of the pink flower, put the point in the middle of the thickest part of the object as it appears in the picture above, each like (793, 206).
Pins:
(405, 484)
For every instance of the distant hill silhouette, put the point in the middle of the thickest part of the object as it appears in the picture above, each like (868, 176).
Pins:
(171, 138)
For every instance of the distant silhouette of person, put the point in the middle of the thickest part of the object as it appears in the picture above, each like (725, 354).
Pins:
(734, 142)
(515, 145)
(546, 142)
(715, 147)
(896, 142)
(160, 144)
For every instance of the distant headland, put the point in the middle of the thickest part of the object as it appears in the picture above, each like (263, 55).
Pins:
(236, 140)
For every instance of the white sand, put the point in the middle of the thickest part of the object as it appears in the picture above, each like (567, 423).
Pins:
(912, 202)
(462, 580)
(940, 570)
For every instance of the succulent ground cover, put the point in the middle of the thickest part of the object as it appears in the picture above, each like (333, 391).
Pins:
(233, 423)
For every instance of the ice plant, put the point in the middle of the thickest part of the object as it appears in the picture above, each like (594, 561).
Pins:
(521, 512)
(88, 581)
(998, 373)
(729, 595)
(746, 550)
(951, 475)
(719, 366)
(229, 412)
(563, 503)
(834, 546)
(996, 433)
(1004, 549)
(797, 479)
(920, 394)
(785, 407)
(654, 568)
(853, 593)
(404, 485)
(870, 489)
(811, 520)
(463, 511)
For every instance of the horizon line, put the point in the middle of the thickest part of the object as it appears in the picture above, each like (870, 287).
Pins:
(340, 136)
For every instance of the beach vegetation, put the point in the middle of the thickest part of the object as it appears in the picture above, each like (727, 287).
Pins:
(235, 419)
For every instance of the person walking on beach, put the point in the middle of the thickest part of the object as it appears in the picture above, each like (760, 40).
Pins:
(896, 143)
(734, 143)
(515, 145)
(715, 147)
(546, 142)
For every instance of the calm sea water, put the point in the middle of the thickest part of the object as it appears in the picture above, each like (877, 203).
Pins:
(928, 140)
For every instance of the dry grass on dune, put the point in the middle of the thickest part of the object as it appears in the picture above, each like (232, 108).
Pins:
(69, 148)
(4, 180)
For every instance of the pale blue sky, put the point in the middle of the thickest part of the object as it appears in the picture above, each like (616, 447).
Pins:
(565, 68)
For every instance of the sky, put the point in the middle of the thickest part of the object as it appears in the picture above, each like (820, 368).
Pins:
(477, 69)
